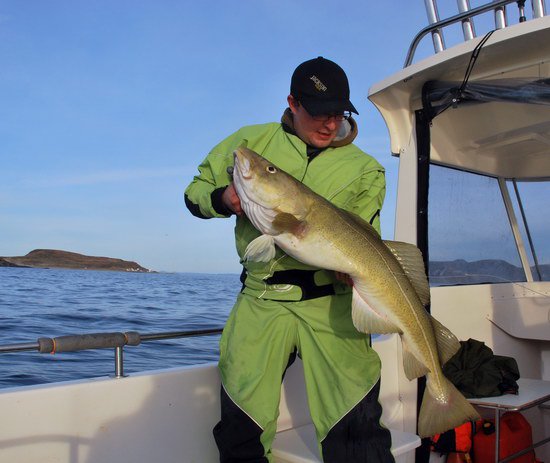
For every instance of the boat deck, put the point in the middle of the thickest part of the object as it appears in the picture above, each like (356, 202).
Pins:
(299, 445)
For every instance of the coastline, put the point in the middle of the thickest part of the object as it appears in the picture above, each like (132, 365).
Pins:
(53, 258)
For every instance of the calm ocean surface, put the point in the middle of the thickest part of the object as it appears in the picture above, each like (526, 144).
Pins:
(48, 303)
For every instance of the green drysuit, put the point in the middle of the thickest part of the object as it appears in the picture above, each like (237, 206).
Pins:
(269, 321)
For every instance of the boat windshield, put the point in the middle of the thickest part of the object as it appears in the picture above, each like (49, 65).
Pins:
(533, 204)
(471, 239)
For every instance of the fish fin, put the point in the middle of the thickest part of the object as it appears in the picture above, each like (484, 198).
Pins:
(367, 320)
(414, 368)
(410, 259)
(261, 249)
(437, 416)
(447, 342)
(288, 223)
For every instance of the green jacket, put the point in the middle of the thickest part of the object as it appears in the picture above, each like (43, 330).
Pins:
(345, 175)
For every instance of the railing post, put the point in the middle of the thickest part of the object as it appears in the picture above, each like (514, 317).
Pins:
(433, 17)
(468, 23)
(538, 8)
(521, 10)
(501, 20)
(119, 362)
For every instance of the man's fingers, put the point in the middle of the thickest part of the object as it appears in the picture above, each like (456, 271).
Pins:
(231, 199)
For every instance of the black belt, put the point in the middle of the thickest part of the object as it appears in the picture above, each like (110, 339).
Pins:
(304, 279)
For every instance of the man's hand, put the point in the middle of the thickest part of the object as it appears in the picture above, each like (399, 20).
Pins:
(344, 278)
(231, 200)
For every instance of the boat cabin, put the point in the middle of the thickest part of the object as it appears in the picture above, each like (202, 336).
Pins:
(471, 128)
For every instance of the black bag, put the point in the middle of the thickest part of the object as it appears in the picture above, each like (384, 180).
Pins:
(477, 372)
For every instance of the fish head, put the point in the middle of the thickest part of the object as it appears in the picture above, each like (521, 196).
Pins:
(265, 190)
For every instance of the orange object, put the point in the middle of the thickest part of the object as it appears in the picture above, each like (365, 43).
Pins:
(458, 440)
(515, 435)
(464, 437)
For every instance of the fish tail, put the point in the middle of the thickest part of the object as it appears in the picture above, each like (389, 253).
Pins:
(437, 415)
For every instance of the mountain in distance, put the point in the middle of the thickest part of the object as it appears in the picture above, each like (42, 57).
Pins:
(52, 258)
(461, 272)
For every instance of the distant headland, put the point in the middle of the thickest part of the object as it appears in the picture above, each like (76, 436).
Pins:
(52, 258)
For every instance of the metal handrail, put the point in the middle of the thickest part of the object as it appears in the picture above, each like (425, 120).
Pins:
(78, 342)
(452, 20)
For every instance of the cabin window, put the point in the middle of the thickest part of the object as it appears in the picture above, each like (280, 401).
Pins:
(530, 200)
(469, 233)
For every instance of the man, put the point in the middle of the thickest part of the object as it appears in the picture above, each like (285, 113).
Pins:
(287, 308)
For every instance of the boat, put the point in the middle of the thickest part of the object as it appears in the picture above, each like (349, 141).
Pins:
(470, 125)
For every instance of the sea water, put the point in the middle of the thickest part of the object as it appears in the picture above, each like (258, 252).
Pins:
(55, 302)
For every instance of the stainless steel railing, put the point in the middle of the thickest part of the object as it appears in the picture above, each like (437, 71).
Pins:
(466, 16)
(116, 340)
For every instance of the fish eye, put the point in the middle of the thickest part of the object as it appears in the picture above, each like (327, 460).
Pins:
(271, 169)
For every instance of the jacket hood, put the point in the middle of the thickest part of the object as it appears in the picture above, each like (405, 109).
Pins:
(347, 133)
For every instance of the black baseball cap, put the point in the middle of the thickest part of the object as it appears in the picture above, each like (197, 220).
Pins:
(322, 87)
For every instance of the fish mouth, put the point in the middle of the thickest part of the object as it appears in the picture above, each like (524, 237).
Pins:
(242, 172)
(242, 164)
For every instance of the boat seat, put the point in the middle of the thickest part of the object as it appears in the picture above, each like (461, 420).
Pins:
(299, 445)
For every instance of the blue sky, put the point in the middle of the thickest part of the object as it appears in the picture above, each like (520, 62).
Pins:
(109, 106)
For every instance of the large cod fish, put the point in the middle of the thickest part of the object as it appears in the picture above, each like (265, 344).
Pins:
(390, 287)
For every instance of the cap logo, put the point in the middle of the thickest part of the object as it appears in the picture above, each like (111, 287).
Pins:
(318, 84)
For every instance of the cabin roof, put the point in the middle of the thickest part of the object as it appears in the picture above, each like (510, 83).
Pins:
(509, 139)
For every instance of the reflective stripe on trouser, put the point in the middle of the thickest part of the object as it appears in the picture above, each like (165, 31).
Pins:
(339, 366)
(357, 438)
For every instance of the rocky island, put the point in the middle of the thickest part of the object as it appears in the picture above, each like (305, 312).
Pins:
(52, 258)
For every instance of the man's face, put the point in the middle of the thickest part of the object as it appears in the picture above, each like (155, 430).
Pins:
(317, 133)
